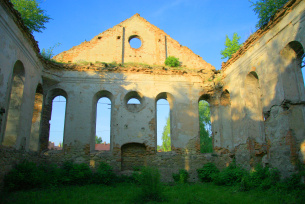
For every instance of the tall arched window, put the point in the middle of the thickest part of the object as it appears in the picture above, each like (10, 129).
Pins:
(205, 125)
(36, 119)
(103, 118)
(291, 71)
(101, 133)
(14, 109)
(163, 126)
(54, 107)
(253, 107)
(303, 68)
(57, 123)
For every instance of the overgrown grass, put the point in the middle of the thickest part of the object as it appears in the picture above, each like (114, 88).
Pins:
(76, 183)
(126, 193)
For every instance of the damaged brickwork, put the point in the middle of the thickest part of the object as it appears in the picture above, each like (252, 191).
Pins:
(257, 99)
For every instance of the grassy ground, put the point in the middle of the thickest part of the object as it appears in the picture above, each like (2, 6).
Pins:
(127, 193)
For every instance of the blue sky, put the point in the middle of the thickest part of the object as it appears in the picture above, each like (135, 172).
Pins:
(201, 25)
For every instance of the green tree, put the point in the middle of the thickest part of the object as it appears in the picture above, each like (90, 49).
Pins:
(265, 9)
(166, 140)
(32, 15)
(98, 140)
(231, 46)
(206, 143)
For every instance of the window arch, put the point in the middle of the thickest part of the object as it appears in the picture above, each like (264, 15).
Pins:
(205, 125)
(102, 111)
(134, 101)
(53, 120)
(164, 103)
(253, 107)
(291, 71)
(36, 119)
(14, 109)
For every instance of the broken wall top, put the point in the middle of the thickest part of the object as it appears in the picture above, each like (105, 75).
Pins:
(255, 37)
(113, 46)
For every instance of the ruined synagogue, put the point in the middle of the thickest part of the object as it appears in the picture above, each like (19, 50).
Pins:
(257, 99)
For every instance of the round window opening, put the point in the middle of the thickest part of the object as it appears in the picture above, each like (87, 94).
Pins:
(135, 42)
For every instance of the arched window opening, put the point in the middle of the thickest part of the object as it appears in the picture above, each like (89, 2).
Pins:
(103, 118)
(253, 108)
(205, 127)
(14, 109)
(302, 68)
(292, 71)
(57, 123)
(163, 126)
(134, 101)
(36, 119)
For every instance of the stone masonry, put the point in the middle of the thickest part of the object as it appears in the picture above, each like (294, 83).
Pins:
(257, 99)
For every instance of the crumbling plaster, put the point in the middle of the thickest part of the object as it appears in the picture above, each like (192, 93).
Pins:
(257, 115)
(15, 46)
(280, 93)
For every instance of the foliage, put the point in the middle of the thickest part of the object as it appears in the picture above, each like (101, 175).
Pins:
(231, 46)
(125, 193)
(206, 142)
(230, 176)
(98, 140)
(32, 15)
(48, 54)
(263, 178)
(207, 172)
(104, 174)
(76, 174)
(166, 139)
(182, 176)
(150, 184)
(294, 182)
(28, 175)
(172, 61)
(265, 9)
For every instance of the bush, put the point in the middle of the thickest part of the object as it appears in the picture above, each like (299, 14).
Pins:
(207, 172)
(104, 174)
(172, 61)
(182, 176)
(25, 175)
(76, 174)
(293, 182)
(263, 178)
(229, 176)
(151, 187)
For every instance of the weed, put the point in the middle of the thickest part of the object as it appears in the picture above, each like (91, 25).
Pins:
(172, 61)
(181, 177)
(207, 172)
(231, 175)
(48, 53)
(104, 174)
(150, 184)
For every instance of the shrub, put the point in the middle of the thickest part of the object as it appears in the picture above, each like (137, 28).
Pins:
(263, 178)
(151, 187)
(181, 177)
(25, 175)
(76, 174)
(229, 176)
(207, 172)
(104, 174)
(172, 61)
(293, 182)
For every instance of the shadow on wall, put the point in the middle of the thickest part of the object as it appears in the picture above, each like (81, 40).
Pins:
(270, 121)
